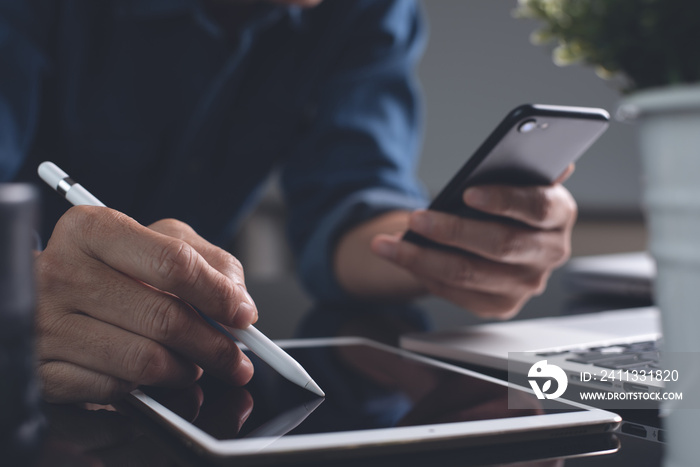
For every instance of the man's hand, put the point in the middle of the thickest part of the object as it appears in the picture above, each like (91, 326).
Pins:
(500, 266)
(115, 309)
(504, 264)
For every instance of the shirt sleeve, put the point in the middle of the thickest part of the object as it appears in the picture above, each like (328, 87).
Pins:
(359, 158)
(22, 63)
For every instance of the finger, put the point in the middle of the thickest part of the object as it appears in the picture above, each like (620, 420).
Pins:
(101, 347)
(466, 271)
(484, 305)
(218, 258)
(494, 305)
(164, 319)
(66, 382)
(543, 207)
(494, 240)
(167, 263)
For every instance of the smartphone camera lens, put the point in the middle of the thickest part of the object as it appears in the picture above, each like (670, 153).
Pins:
(527, 126)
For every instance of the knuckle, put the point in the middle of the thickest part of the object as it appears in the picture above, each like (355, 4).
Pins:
(146, 362)
(172, 227)
(508, 244)
(172, 224)
(233, 266)
(225, 294)
(454, 229)
(90, 220)
(176, 262)
(77, 216)
(81, 223)
(226, 263)
(166, 321)
(462, 271)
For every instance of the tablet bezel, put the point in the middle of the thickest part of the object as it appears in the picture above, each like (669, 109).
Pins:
(505, 430)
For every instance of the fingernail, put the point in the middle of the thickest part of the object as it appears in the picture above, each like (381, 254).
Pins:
(385, 248)
(420, 221)
(475, 197)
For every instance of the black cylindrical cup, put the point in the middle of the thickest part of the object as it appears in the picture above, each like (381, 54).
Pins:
(20, 418)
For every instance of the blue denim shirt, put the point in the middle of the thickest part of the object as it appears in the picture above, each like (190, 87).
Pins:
(159, 112)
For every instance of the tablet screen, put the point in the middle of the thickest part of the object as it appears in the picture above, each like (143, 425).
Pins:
(366, 388)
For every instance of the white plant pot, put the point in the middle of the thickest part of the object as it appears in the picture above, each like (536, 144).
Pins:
(668, 122)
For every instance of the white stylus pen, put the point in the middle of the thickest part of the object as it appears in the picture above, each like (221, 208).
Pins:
(256, 341)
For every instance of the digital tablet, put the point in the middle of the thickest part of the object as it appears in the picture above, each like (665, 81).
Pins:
(379, 400)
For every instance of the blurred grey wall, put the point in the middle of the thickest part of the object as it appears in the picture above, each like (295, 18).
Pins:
(479, 64)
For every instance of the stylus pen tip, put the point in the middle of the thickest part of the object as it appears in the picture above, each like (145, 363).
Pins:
(313, 387)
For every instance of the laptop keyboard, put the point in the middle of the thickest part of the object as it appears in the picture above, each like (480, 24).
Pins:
(640, 356)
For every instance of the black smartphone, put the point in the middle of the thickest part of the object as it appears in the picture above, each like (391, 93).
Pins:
(533, 145)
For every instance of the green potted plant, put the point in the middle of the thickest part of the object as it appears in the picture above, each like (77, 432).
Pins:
(643, 43)
(649, 49)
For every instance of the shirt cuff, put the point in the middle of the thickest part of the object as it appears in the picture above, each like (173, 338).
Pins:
(316, 259)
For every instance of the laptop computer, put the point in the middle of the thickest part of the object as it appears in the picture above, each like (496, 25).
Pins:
(488, 345)
(594, 343)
